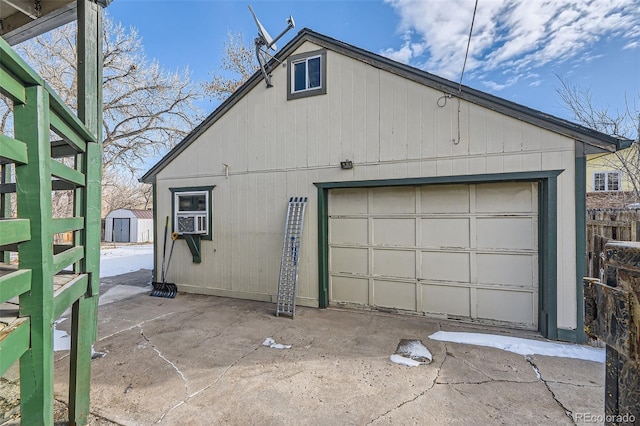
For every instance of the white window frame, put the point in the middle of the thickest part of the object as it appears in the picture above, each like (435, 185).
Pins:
(305, 61)
(304, 58)
(203, 220)
(607, 175)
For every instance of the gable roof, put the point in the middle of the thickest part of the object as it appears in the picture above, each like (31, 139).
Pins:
(142, 214)
(503, 106)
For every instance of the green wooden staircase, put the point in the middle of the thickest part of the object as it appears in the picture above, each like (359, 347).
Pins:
(51, 150)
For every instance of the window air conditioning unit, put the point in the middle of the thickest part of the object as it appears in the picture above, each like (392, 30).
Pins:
(192, 224)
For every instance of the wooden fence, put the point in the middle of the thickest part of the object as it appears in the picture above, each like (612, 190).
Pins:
(605, 225)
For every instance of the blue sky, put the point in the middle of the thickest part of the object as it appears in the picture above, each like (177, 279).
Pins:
(517, 48)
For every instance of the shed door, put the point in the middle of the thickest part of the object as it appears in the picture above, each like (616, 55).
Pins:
(459, 251)
(121, 230)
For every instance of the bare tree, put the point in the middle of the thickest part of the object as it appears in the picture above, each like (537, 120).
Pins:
(238, 64)
(147, 110)
(119, 193)
(621, 124)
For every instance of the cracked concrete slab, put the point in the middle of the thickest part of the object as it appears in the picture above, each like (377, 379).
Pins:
(485, 403)
(577, 385)
(200, 360)
(476, 364)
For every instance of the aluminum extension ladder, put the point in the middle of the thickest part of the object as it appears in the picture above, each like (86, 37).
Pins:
(288, 281)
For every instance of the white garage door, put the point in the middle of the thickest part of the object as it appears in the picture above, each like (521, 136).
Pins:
(460, 251)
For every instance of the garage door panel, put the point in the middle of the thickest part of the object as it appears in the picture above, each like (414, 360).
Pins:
(394, 294)
(349, 260)
(394, 232)
(506, 233)
(445, 199)
(512, 197)
(349, 290)
(467, 251)
(393, 200)
(394, 263)
(509, 306)
(443, 232)
(446, 300)
(347, 202)
(445, 266)
(507, 269)
(347, 230)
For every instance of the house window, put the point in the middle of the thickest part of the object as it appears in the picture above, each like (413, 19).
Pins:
(307, 74)
(192, 212)
(607, 181)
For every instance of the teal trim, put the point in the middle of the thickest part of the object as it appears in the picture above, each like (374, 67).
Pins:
(193, 242)
(434, 180)
(323, 248)
(581, 238)
(208, 236)
(547, 231)
(566, 335)
(548, 258)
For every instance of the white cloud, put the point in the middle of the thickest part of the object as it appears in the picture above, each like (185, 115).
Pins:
(631, 45)
(512, 35)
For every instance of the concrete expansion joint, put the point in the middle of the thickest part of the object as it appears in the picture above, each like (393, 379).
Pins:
(567, 412)
(433, 383)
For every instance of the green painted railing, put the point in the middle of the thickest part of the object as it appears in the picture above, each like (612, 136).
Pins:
(47, 279)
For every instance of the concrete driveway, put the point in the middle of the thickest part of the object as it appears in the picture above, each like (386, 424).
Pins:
(199, 360)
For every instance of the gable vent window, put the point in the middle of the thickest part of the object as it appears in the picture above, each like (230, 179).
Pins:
(607, 181)
(307, 74)
(192, 211)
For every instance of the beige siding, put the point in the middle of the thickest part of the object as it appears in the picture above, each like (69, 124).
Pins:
(389, 126)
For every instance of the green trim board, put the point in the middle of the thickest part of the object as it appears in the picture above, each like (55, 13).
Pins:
(14, 231)
(14, 284)
(567, 335)
(323, 247)
(13, 150)
(581, 239)
(14, 342)
(547, 230)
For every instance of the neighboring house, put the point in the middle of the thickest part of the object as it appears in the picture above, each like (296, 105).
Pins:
(129, 226)
(459, 204)
(610, 184)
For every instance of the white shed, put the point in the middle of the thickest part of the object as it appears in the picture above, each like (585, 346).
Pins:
(424, 198)
(129, 226)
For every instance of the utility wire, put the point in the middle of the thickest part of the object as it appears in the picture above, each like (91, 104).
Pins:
(466, 55)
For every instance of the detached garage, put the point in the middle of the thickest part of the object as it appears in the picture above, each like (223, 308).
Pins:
(423, 199)
(129, 226)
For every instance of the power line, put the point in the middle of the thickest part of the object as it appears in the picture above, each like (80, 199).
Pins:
(466, 55)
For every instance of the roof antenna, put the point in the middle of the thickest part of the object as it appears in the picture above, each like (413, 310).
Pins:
(264, 42)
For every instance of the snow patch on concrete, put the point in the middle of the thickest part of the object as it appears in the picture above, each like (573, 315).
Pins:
(523, 346)
(273, 345)
(398, 359)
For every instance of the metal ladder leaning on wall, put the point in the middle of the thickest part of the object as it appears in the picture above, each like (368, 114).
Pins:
(288, 282)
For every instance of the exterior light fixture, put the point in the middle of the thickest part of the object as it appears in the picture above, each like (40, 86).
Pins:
(346, 164)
